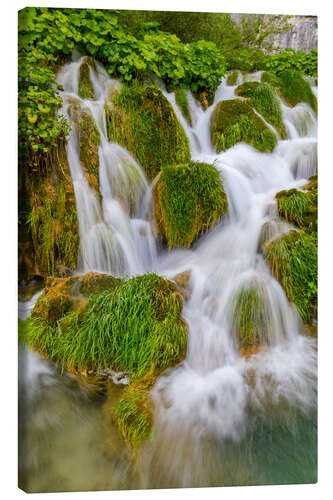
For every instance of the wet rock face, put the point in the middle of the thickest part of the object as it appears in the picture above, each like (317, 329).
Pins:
(301, 36)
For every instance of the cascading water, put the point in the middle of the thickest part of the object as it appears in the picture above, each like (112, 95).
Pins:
(203, 408)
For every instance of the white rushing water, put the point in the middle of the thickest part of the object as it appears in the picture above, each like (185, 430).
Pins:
(215, 392)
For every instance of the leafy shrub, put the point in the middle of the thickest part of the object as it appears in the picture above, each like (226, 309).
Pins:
(289, 59)
(235, 121)
(188, 200)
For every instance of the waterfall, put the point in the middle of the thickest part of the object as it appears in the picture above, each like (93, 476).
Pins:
(115, 237)
(216, 394)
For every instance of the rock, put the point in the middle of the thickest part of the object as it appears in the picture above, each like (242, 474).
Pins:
(235, 121)
(182, 281)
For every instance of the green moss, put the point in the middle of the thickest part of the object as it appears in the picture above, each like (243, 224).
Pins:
(188, 200)
(250, 321)
(86, 90)
(292, 87)
(232, 78)
(134, 326)
(246, 89)
(264, 100)
(182, 102)
(22, 331)
(89, 139)
(51, 220)
(142, 120)
(132, 412)
(235, 121)
(293, 259)
(298, 207)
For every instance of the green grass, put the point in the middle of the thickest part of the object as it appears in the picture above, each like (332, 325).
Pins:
(182, 102)
(249, 319)
(188, 200)
(86, 90)
(132, 412)
(235, 121)
(135, 326)
(264, 100)
(292, 87)
(232, 78)
(293, 259)
(300, 207)
(142, 120)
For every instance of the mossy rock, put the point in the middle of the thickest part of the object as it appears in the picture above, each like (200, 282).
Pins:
(103, 322)
(263, 98)
(246, 89)
(299, 207)
(250, 319)
(293, 260)
(232, 78)
(48, 226)
(142, 120)
(89, 139)
(235, 121)
(86, 89)
(189, 199)
(94, 321)
(292, 87)
(182, 102)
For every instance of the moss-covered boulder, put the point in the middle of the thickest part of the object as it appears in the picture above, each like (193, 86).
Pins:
(86, 89)
(232, 78)
(142, 120)
(235, 121)
(89, 139)
(48, 227)
(94, 321)
(292, 87)
(182, 103)
(189, 199)
(300, 207)
(263, 98)
(293, 260)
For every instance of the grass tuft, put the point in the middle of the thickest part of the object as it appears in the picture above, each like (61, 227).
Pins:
(142, 120)
(188, 200)
(235, 121)
(182, 103)
(86, 89)
(293, 259)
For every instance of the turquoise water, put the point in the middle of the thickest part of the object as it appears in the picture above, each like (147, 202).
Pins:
(67, 444)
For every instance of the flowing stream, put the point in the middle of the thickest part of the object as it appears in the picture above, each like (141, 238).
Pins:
(219, 418)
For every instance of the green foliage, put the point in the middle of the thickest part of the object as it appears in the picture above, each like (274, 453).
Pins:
(289, 59)
(135, 326)
(293, 258)
(247, 59)
(299, 207)
(141, 119)
(292, 87)
(263, 98)
(235, 121)
(46, 38)
(189, 199)
(182, 102)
